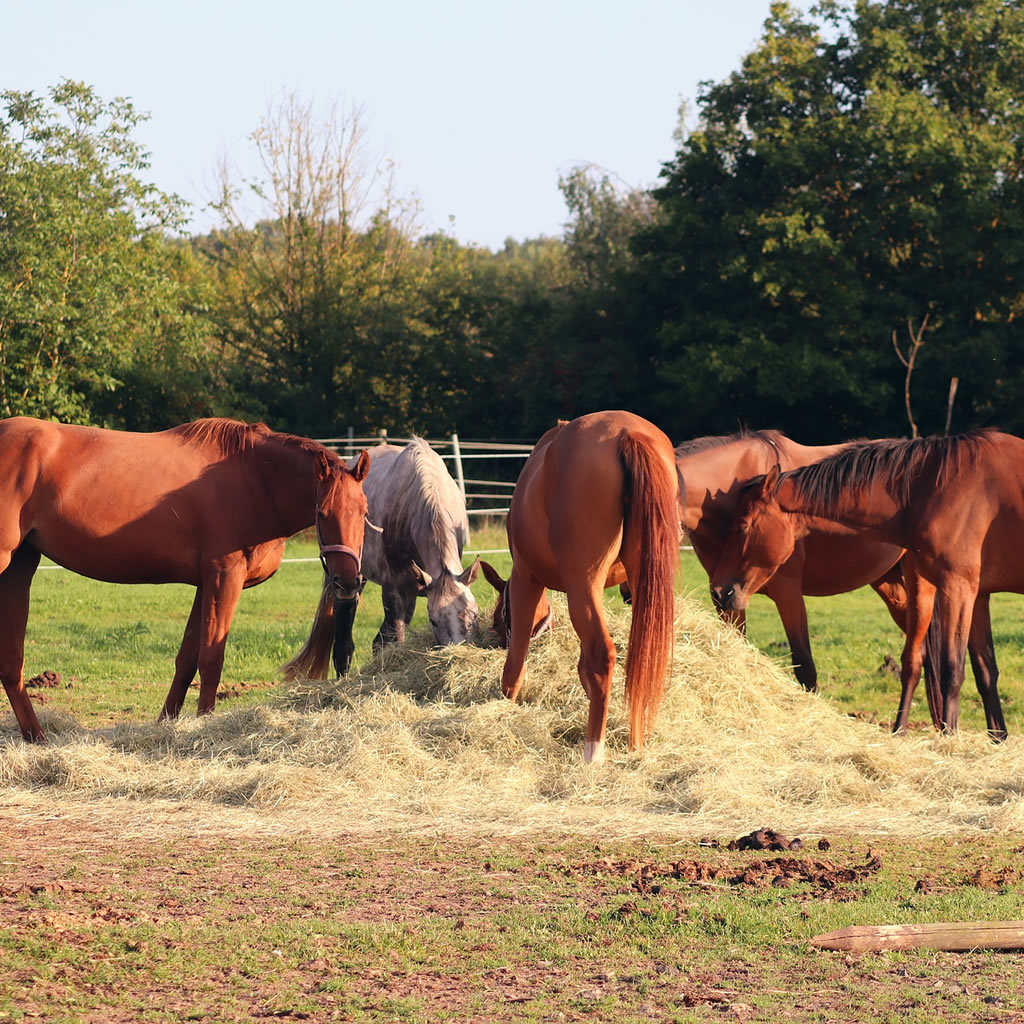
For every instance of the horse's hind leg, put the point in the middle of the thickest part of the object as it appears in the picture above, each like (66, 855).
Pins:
(186, 664)
(892, 588)
(596, 664)
(14, 603)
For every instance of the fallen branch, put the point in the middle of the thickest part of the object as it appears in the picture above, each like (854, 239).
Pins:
(955, 936)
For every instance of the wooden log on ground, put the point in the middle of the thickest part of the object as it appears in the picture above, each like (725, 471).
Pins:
(955, 936)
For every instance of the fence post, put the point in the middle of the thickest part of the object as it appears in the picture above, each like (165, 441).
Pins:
(457, 455)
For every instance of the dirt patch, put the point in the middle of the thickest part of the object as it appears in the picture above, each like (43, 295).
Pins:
(108, 921)
(821, 879)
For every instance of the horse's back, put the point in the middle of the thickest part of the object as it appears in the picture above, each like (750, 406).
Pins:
(121, 506)
(569, 506)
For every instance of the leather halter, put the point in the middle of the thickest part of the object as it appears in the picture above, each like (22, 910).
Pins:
(341, 549)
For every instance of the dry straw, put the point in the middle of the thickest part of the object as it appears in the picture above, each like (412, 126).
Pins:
(421, 740)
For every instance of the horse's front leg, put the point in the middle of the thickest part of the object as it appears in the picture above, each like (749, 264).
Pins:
(789, 602)
(186, 664)
(956, 609)
(220, 593)
(920, 601)
(399, 607)
(986, 671)
(15, 583)
(344, 645)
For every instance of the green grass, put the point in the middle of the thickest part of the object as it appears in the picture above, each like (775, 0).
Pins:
(556, 935)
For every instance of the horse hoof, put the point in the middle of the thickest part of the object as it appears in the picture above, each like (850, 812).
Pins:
(593, 751)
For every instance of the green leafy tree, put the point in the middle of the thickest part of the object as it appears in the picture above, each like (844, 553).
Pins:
(863, 169)
(85, 275)
(324, 294)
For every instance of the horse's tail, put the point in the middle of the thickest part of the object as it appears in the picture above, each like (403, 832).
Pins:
(312, 661)
(651, 517)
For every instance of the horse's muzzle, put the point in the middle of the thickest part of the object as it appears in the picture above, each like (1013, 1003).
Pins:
(729, 598)
(345, 591)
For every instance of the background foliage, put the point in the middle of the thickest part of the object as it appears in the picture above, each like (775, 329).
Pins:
(858, 177)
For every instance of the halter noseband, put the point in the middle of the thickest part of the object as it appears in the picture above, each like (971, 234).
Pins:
(341, 549)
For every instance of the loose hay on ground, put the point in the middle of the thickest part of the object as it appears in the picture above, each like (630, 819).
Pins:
(421, 739)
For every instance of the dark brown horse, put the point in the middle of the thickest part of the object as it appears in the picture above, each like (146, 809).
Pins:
(597, 501)
(956, 504)
(208, 503)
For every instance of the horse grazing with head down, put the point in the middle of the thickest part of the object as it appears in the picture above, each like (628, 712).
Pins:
(955, 503)
(209, 503)
(716, 471)
(415, 549)
(597, 501)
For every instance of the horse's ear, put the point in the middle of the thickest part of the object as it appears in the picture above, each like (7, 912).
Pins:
(323, 465)
(362, 466)
(467, 577)
(492, 577)
(422, 578)
(771, 480)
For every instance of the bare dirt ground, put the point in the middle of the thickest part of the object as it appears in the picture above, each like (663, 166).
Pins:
(106, 918)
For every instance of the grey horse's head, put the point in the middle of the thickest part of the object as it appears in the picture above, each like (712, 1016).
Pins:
(450, 603)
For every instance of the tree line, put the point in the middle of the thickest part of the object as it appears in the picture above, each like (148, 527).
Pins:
(849, 196)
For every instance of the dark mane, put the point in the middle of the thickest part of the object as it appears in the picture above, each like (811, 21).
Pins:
(234, 437)
(775, 439)
(897, 464)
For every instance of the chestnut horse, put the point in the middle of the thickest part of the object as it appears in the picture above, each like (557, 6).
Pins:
(597, 501)
(956, 503)
(715, 470)
(208, 503)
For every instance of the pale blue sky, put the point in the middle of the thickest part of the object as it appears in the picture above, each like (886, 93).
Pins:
(481, 105)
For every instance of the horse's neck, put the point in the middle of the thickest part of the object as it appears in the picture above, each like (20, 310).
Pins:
(289, 475)
(713, 480)
(873, 513)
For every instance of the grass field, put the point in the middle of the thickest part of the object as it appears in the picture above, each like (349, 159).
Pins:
(405, 846)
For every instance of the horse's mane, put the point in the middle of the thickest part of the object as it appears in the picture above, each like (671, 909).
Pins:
(896, 464)
(428, 501)
(234, 437)
(775, 439)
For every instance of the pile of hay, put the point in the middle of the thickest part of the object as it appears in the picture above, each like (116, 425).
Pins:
(422, 740)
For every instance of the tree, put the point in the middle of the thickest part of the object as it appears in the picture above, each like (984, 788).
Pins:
(863, 167)
(319, 275)
(84, 270)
